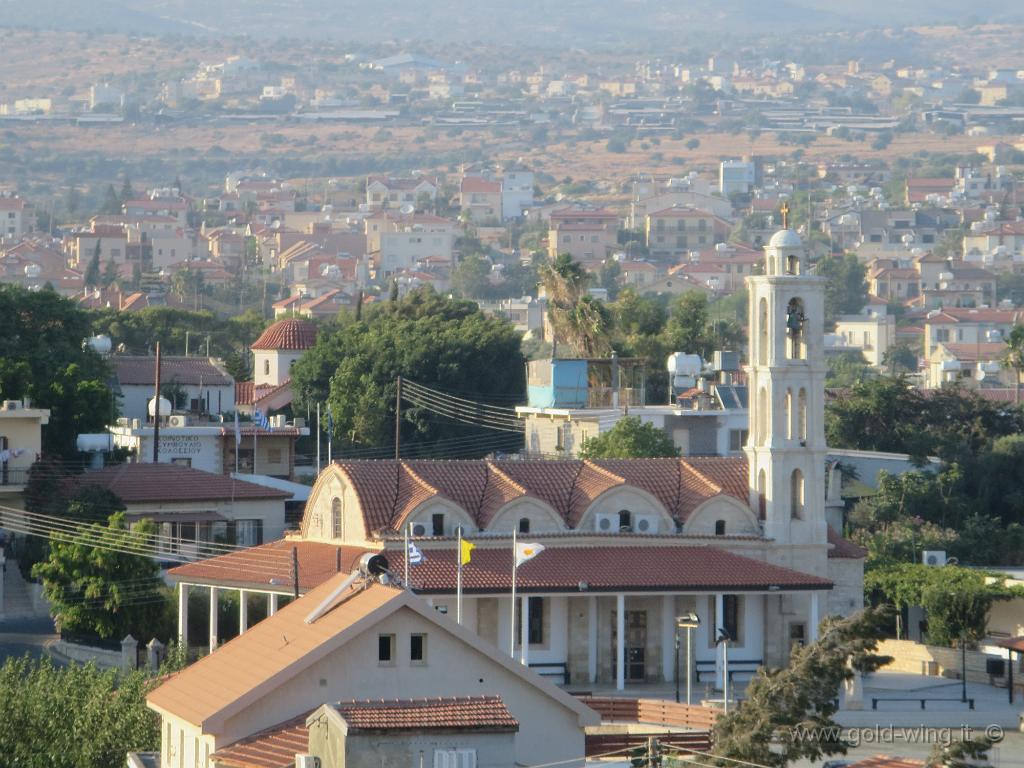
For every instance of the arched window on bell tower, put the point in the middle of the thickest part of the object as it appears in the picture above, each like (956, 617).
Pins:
(762, 416)
(762, 332)
(762, 486)
(789, 414)
(796, 494)
(801, 415)
(795, 320)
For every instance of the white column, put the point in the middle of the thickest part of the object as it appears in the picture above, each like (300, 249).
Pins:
(668, 638)
(813, 619)
(592, 638)
(271, 603)
(719, 618)
(243, 611)
(183, 615)
(213, 618)
(524, 631)
(620, 644)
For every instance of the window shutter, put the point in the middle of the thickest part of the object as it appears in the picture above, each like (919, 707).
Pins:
(259, 532)
(465, 758)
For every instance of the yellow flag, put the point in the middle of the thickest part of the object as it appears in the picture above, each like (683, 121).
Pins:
(467, 552)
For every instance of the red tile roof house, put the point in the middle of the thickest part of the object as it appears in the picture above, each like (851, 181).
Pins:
(361, 674)
(193, 507)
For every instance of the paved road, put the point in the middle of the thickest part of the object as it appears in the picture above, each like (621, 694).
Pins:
(28, 635)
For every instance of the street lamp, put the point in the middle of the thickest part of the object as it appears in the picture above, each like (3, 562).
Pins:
(688, 621)
(723, 639)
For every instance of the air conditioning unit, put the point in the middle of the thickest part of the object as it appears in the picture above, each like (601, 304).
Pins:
(933, 557)
(177, 420)
(307, 761)
(12, 405)
(645, 523)
(607, 523)
(419, 529)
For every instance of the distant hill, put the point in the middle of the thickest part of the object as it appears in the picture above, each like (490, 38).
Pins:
(559, 23)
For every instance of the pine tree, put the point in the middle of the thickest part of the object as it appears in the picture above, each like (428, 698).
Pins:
(92, 272)
(127, 192)
(111, 202)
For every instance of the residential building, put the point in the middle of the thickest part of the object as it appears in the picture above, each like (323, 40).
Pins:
(480, 198)
(15, 218)
(192, 507)
(21, 441)
(872, 331)
(968, 326)
(516, 193)
(386, 192)
(736, 177)
(584, 234)
(972, 366)
(674, 232)
(200, 385)
(405, 662)
(400, 241)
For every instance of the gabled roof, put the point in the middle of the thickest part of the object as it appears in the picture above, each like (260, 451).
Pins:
(141, 371)
(257, 662)
(149, 483)
(953, 316)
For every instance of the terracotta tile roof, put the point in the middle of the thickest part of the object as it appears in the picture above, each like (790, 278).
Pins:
(986, 350)
(963, 315)
(271, 564)
(255, 664)
(479, 185)
(183, 370)
(244, 392)
(603, 568)
(459, 713)
(291, 334)
(388, 491)
(844, 548)
(144, 483)
(273, 748)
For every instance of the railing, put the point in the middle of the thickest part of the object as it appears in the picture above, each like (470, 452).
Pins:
(13, 476)
(652, 711)
(603, 397)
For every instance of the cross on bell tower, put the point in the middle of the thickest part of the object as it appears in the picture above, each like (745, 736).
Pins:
(786, 450)
(784, 210)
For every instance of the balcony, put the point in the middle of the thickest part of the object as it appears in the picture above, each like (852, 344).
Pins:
(13, 479)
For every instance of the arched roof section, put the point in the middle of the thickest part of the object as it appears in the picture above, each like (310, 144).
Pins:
(740, 519)
(607, 502)
(514, 509)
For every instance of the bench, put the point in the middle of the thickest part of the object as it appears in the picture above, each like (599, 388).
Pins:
(923, 700)
(740, 666)
(552, 669)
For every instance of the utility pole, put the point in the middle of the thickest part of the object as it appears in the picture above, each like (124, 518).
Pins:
(398, 419)
(156, 409)
(295, 570)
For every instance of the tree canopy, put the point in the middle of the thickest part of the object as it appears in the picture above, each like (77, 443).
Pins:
(802, 697)
(437, 342)
(100, 591)
(73, 717)
(42, 357)
(846, 292)
(630, 439)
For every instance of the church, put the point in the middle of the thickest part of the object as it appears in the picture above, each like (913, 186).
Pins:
(625, 546)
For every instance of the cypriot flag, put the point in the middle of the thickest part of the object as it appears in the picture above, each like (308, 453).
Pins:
(526, 552)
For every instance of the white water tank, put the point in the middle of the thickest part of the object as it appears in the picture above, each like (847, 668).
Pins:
(99, 344)
(165, 407)
(95, 443)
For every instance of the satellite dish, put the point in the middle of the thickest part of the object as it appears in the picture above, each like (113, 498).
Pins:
(979, 375)
(407, 209)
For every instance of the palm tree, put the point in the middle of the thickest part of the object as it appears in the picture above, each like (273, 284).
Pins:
(1014, 357)
(576, 318)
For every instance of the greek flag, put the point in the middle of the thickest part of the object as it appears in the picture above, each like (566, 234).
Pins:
(415, 554)
(260, 419)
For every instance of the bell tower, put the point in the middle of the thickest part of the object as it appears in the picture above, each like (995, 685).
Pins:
(785, 449)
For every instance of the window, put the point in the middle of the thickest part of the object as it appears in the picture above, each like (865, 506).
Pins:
(731, 616)
(266, 367)
(719, 527)
(789, 414)
(801, 415)
(336, 519)
(762, 488)
(454, 758)
(795, 320)
(524, 525)
(535, 612)
(737, 439)
(386, 650)
(437, 524)
(625, 520)
(418, 648)
(762, 345)
(249, 533)
(796, 494)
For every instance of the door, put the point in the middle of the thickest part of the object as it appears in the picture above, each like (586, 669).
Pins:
(636, 645)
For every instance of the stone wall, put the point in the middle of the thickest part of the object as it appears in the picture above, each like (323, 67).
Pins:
(920, 659)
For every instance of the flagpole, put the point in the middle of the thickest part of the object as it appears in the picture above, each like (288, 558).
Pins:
(512, 621)
(318, 438)
(406, 553)
(255, 430)
(458, 580)
(330, 435)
